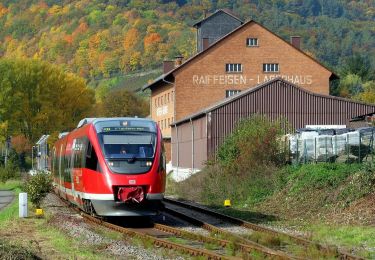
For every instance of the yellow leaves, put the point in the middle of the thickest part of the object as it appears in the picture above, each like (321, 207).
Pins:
(368, 94)
(135, 60)
(55, 9)
(3, 10)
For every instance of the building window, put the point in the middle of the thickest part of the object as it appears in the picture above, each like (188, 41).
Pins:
(229, 93)
(252, 42)
(233, 67)
(270, 67)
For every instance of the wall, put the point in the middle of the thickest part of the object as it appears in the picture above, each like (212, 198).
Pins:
(204, 81)
(162, 107)
(185, 153)
(279, 99)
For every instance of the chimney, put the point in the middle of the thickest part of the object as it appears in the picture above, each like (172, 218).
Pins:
(178, 60)
(205, 43)
(296, 41)
(168, 65)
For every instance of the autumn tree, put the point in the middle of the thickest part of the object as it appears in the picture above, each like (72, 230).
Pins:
(37, 98)
(124, 103)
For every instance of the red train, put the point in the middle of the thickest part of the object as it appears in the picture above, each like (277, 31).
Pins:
(111, 166)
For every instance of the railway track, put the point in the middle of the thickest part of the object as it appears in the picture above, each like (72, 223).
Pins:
(283, 244)
(190, 243)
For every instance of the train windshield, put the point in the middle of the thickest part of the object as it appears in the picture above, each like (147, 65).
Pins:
(128, 147)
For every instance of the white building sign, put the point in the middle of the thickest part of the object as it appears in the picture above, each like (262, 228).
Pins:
(245, 80)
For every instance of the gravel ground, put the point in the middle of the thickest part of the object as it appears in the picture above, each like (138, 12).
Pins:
(169, 220)
(75, 226)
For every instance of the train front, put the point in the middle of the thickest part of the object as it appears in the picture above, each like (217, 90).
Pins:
(133, 163)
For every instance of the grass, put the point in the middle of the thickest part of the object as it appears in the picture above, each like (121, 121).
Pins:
(62, 245)
(11, 211)
(70, 248)
(359, 238)
(10, 185)
(178, 240)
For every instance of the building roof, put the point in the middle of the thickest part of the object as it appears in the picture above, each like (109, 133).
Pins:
(251, 90)
(226, 11)
(170, 74)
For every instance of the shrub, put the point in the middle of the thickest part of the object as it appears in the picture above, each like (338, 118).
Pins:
(255, 141)
(37, 187)
(10, 171)
(245, 167)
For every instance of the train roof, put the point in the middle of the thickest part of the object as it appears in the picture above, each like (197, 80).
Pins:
(103, 119)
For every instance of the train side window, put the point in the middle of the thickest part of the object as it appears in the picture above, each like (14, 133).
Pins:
(91, 158)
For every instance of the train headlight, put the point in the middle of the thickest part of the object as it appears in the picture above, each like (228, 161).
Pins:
(148, 163)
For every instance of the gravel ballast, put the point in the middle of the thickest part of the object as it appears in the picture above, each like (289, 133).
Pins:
(72, 224)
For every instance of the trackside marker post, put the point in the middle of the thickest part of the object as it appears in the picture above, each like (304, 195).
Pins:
(227, 203)
(23, 205)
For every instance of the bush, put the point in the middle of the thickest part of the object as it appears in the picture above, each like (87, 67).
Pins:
(255, 141)
(245, 167)
(37, 187)
(10, 171)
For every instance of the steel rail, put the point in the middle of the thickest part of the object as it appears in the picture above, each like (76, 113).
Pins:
(156, 241)
(246, 248)
(255, 227)
(243, 243)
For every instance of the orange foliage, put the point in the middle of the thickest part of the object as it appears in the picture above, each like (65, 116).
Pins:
(82, 28)
(94, 41)
(131, 15)
(150, 39)
(3, 10)
(8, 38)
(68, 39)
(20, 144)
(42, 5)
(131, 38)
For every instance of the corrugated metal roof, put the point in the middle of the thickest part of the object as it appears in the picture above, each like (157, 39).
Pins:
(254, 89)
(187, 62)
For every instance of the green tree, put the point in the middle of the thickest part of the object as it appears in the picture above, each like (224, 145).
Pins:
(368, 94)
(37, 98)
(350, 85)
(359, 65)
(122, 102)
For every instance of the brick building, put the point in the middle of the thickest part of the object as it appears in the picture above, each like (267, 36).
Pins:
(196, 137)
(247, 56)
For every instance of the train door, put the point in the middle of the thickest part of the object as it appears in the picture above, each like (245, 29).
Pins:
(71, 167)
(61, 172)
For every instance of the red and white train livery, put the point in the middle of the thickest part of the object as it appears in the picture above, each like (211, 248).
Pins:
(111, 166)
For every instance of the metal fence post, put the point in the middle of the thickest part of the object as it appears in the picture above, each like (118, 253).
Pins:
(297, 153)
(326, 148)
(316, 159)
(359, 147)
(347, 148)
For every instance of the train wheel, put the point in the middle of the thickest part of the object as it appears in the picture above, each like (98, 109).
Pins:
(89, 208)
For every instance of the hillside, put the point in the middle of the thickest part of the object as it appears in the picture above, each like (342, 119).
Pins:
(106, 39)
